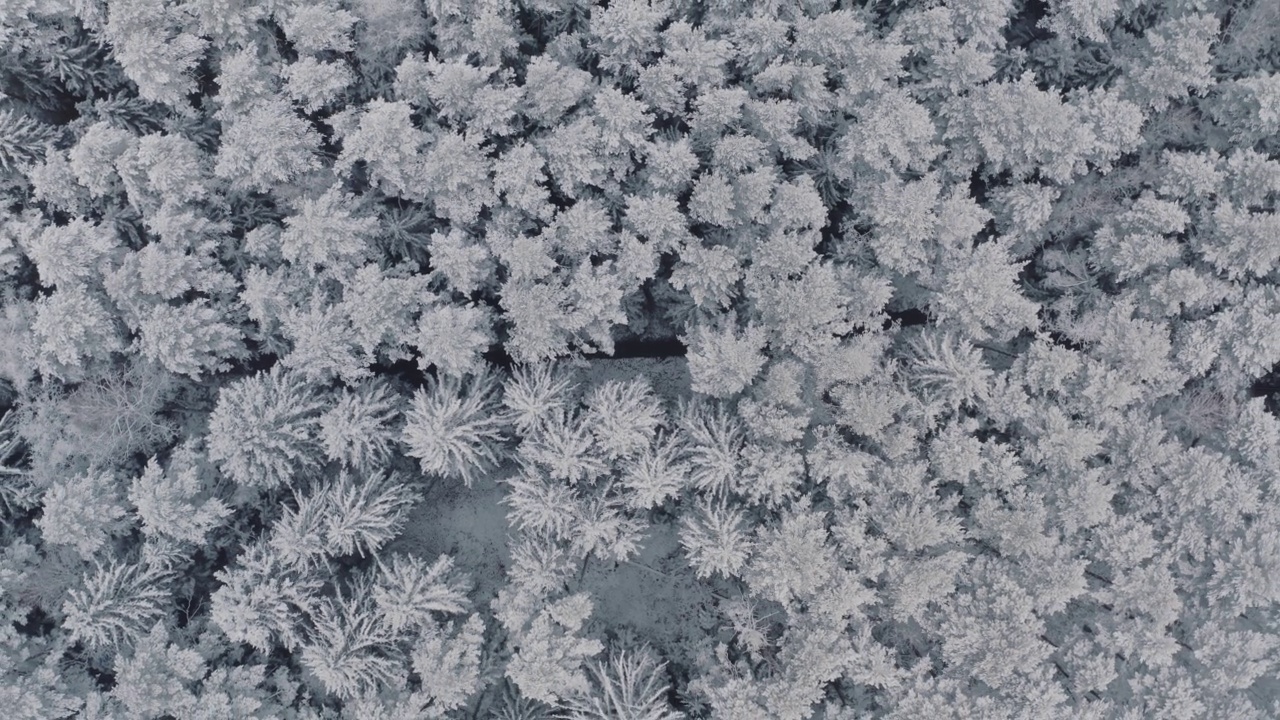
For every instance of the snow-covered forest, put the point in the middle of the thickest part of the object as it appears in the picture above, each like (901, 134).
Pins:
(639, 359)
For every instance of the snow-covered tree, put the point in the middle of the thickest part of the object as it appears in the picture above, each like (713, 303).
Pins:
(190, 339)
(1172, 60)
(177, 502)
(313, 84)
(630, 686)
(716, 540)
(84, 511)
(263, 429)
(265, 146)
(360, 429)
(327, 231)
(453, 338)
(348, 648)
(116, 604)
(151, 45)
(156, 679)
(452, 427)
(534, 393)
(548, 665)
(408, 589)
(262, 599)
(448, 661)
(623, 416)
(72, 329)
(360, 516)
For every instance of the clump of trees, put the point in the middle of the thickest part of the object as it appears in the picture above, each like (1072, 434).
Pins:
(979, 314)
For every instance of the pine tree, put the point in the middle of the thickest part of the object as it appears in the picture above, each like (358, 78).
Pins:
(723, 358)
(541, 323)
(793, 559)
(564, 446)
(519, 177)
(298, 536)
(320, 27)
(448, 660)
(148, 42)
(262, 599)
(386, 140)
(626, 34)
(630, 686)
(324, 342)
(360, 429)
(380, 306)
(348, 648)
(265, 146)
(715, 539)
(710, 274)
(539, 505)
(22, 139)
(552, 88)
(623, 416)
(715, 439)
(363, 515)
(464, 264)
(534, 393)
(453, 338)
(453, 427)
(84, 511)
(177, 502)
(327, 231)
(408, 589)
(164, 171)
(71, 329)
(155, 680)
(71, 254)
(262, 431)
(191, 339)
(313, 84)
(1172, 59)
(458, 173)
(602, 527)
(949, 367)
(116, 604)
(656, 474)
(981, 295)
(548, 664)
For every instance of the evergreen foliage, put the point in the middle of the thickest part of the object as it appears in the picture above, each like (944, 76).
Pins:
(329, 387)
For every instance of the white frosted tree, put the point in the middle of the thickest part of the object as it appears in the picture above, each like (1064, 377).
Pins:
(724, 358)
(327, 231)
(156, 679)
(71, 329)
(177, 502)
(191, 339)
(262, 599)
(348, 647)
(84, 511)
(548, 665)
(265, 146)
(715, 539)
(363, 515)
(408, 591)
(149, 42)
(263, 429)
(116, 603)
(629, 686)
(360, 429)
(448, 661)
(453, 428)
